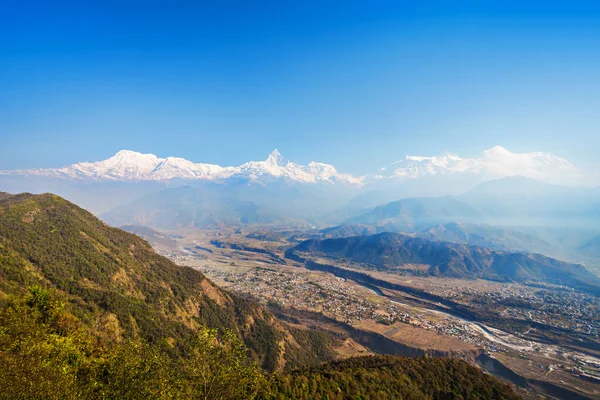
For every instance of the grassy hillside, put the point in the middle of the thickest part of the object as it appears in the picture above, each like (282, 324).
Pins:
(117, 284)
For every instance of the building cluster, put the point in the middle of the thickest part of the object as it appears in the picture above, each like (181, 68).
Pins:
(562, 308)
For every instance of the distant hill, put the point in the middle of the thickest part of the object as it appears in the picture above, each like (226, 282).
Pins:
(188, 207)
(235, 203)
(346, 230)
(521, 201)
(417, 213)
(496, 238)
(117, 285)
(484, 235)
(511, 201)
(592, 247)
(396, 252)
(512, 213)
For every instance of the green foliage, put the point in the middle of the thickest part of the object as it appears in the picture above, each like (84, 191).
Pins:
(316, 346)
(390, 377)
(218, 367)
(133, 370)
(46, 352)
(42, 348)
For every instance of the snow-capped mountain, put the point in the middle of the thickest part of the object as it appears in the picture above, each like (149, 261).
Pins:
(129, 165)
(277, 166)
(493, 163)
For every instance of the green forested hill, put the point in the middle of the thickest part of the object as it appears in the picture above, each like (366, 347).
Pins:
(390, 377)
(119, 286)
(47, 353)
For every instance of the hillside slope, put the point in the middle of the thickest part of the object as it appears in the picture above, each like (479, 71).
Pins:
(118, 285)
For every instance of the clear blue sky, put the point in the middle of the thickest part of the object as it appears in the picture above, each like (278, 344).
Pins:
(355, 84)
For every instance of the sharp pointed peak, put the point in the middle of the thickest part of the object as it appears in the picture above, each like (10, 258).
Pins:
(276, 158)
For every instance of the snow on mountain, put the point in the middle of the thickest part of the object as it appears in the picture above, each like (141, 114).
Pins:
(277, 166)
(123, 165)
(493, 163)
(174, 167)
(128, 165)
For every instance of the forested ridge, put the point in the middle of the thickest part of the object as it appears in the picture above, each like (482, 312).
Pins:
(116, 283)
(390, 377)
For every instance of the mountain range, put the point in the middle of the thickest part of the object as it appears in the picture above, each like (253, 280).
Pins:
(211, 204)
(512, 213)
(417, 213)
(129, 165)
(493, 163)
(446, 198)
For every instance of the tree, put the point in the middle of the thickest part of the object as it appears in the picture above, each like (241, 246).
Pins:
(218, 367)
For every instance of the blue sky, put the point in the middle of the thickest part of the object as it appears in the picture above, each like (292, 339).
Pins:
(355, 84)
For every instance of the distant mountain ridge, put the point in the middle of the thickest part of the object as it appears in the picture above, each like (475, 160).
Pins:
(395, 252)
(129, 165)
(493, 163)
(417, 213)
(229, 203)
(509, 201)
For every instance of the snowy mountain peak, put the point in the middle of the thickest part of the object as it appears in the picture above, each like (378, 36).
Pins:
(493, 163)
(497, 150)
(127, 165)
(497, 162)
(131, 158)
(127, 153)
(275, 158)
